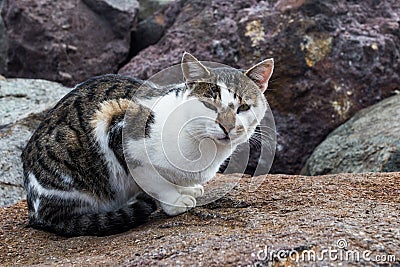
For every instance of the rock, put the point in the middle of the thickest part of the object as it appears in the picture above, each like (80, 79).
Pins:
(67, 41)
(283, 5)
(20, 97)
(148, 8)
(120, 14)
(368, 142)
(3, 44)
(193, 30)
(356, 213)
(22, 105)
(332, 59)
(157, 17)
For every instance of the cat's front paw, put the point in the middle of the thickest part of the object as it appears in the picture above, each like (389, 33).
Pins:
(181, 205)
(196, 191)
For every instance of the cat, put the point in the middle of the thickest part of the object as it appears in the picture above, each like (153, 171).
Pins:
(78, 164)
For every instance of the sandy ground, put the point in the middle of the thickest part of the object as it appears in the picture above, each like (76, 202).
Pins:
(346, 214)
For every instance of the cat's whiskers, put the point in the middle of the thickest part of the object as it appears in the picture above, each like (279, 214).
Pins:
(264, 133)
(260, 140)
(262, 127)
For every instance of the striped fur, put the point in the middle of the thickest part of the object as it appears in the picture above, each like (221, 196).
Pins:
(77, 182)
(76, 172)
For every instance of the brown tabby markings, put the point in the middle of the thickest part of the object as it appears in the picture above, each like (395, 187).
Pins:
(63, 136)
(75, 172)
(63, 155)
(108, 110)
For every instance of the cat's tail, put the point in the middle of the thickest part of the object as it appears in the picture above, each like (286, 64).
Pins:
(102, 224)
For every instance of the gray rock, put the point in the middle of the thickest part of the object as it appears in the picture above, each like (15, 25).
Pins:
(22, 107)
(10, 194)
(20, 97)
(368, 142)
(12, 141)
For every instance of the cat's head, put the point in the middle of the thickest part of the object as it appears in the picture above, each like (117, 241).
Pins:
(230, 103)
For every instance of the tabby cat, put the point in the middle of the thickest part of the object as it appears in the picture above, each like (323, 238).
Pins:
(79, 169)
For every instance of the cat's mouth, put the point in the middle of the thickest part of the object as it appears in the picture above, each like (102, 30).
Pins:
(223, 139)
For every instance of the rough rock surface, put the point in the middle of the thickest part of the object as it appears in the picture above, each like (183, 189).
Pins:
(368, 142)
(148, 8)
(349, 213)
(332, 58)
(20, 97)
(3, 44)
(153, 26)
(67, 41)
(22, 106)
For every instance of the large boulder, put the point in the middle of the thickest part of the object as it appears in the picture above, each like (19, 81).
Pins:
(67, 41)
(23, 103)
(353, 216)
(3, 44)
(368, 142)
(333, 58)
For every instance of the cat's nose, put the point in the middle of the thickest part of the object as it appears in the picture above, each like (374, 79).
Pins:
(226, 128)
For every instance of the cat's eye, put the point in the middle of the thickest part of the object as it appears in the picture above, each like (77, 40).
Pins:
(242, 108)
(209, 105)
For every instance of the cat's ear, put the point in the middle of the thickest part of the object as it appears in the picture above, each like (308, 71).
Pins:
(261, 73)
(192, 68)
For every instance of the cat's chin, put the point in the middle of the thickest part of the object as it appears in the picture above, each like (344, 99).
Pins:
(231, 142)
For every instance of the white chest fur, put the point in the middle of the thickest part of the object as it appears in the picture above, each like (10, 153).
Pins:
(172, 148)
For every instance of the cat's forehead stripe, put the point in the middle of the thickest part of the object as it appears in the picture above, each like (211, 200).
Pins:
(227, 97)
(243, 90)
(205, 89)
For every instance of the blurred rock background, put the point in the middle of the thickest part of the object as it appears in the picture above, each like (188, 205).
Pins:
(333, 59)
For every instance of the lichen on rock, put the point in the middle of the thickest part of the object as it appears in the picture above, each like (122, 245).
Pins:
(255, 30)
(316, 48)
